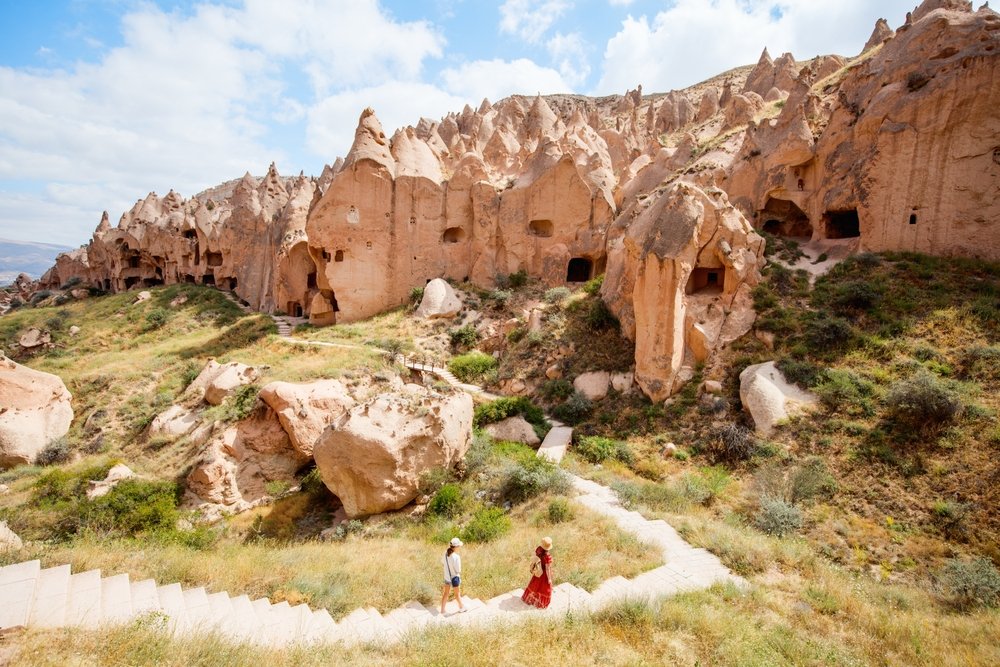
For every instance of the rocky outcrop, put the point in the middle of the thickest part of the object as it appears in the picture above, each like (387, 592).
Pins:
(681, 269)
(593, 385)
(881, 34)
(217, 381)
(769, 398)
(513, 429)
(35, 409)
(373, 457)
(9, 541)
(174, 422)
(117, 474)
(439, 300)
(306, 410)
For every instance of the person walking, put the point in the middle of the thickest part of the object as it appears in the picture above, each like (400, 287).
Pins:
(452, 575)
(539, 590)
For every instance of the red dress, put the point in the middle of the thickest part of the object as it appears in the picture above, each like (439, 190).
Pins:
(539, 590)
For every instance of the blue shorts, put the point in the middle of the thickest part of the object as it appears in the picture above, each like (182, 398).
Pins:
(448, 583)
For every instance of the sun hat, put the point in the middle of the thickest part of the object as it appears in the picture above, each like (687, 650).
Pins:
(455, 542)
(546, 543)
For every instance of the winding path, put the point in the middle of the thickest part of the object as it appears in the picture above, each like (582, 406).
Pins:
(55, 597)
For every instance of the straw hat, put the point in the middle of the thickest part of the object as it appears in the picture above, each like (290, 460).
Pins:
(546, 543)
(455, 542)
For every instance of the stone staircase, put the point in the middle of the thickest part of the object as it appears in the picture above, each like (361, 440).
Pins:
(55, 597)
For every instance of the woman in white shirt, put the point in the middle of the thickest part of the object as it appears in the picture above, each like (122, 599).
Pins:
(452, 575)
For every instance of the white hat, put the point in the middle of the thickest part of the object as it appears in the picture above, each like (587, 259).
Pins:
(455, 542)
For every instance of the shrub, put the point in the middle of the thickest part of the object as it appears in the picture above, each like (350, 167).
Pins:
(472, 366)
(575, 409)
(558, 389)
(734, 442)
(922, 402)
(447, 501)
(56, 451)
(825, 333)
(593, 286)
(856, 295)
(488, 523)
(707, 485)
(518, 279)
(560, 511)
(531, 477)
(416, 295)
(811, 480)
(598, 449)
(843, 390)
(499, 297)
(981, 363)
(968, 584)
(433, 479)
(156, 318)
(348, 528)
(777, 517)
(556, 294)
(464, 337)
(951, 517)
(803, 373)
(243, 401)
(508, 406)
(599, 317)
(40, 296)
(134, 506)
(516, 334)
(60, 486)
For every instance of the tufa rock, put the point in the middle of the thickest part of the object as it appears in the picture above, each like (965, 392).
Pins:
(35, 409)
(217, 381)
(34, 337)
(439, 300)
(116, 475)
(769, 398)
(372, 458)
(593, 385)
(9, 541)
(306, 410)
(513, 429)
(174, 422)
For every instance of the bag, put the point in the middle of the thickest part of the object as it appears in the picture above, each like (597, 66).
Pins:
(536, 568)
(456, 580)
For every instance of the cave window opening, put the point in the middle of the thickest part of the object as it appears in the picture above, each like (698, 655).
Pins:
(326, 255)
(368, 244)
(107, 284)
(842, 224)
(338, 256)
(311, 280)
(784, 218)
(579, 270)
(294, 309)
(214, 258)
(131, 282)
(208, 279)
(541, 228)
(189, 279)
(453, 235)
(229, 283)
(191, 234)
(706, 281)
(913, 218)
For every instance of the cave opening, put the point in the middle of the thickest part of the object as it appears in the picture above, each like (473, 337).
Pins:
(579, 270)
(842, 224)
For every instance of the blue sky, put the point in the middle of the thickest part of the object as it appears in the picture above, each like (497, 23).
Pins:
(102, 101)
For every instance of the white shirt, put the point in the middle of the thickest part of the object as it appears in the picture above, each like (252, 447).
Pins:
(454, 562)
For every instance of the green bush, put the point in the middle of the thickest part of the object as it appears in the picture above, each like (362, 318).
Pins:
(448, 501)
(556, 294)
(464, 337)
(825, 333)
(40, 296)
(575, 409)
(969, 584)
(803, 373)
(156, 318)
(61, 486)
(922, 402)
(518, 279)
(981, 363)
(558, 389)
(777, 517)
(593, 286)
(531, 477)
(133, 506)
(416, 295)
(499, 297)
(559, 511)
(472, 366)
(706, 485)
(56, 451)
(951, 517)
(598, 449)
(856, 295)
(845, 391)
(599, 317)
(811, 480)
(488, 523)
(508, 406)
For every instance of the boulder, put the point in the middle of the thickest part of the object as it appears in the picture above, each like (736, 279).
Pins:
(306, 410)
(34, 337)
(622, 382)
(35, 409)
(593, 385)
(513, 429)
(118, 473)
(439, 300)
(373, 457)
(769, 398)
(74, 330)
(216, 381)
(174, 422)
(9, 541)
(712, 387)
(143, 296)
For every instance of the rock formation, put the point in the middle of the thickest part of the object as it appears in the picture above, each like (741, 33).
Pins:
(898, 149)
(34, 410)
(373, 457)
(513, 429)
(439, 300)
(769, 398)
(306, 410)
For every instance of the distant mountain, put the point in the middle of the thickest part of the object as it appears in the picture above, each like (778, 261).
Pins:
(25, 257)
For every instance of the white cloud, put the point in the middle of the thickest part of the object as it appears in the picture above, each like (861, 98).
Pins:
(494, 79)
(333, 120)
(694, 39)
(570, 53)
(530, 19)
(620, 3)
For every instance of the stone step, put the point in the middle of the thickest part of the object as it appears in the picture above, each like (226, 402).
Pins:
(245, 624)
(172, 604)
(276, 624)
(322, 628)
(612, 589)
(222, 613)
(301, 616)
(567, 598)
(84, 604)
(116, 599)
(50, 599)
(556, 443)
(144, 597)
(17, 589)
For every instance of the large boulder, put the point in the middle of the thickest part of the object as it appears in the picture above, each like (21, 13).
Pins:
(513, 429)
(217, 381)
(34, 337)
(306, 410)
(373, 457)
(593, 385)
(35, 409)
(769, 398)
(9, 541)
(174, 422)
(439, 300)
(117, 474)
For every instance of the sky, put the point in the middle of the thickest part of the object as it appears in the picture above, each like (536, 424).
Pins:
(103, 101)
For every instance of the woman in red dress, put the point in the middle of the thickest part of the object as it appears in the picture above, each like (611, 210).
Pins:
(539, 590)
